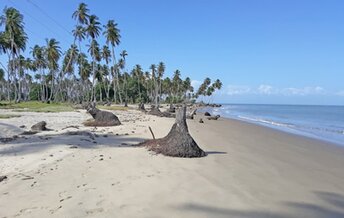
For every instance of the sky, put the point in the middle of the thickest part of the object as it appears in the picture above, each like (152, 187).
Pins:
(264, 51)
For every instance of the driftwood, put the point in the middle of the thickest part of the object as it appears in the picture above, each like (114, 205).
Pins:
(214, 117)
(191, 114)
(101, 118)
(178, 142)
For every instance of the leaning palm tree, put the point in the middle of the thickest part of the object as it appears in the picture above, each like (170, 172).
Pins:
(112, 34)
(93, 30)
(53, 54)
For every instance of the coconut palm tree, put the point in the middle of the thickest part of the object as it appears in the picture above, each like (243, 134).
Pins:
(161, 70)
(81, 14)
(53, 54)
(93, 30)
(13, 39)
(40, 63)
(112, 35)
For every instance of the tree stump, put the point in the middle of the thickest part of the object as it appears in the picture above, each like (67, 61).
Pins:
(40, 126)
(101, 118)
(178, 142)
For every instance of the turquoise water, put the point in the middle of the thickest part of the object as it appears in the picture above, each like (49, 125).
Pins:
(321, 122)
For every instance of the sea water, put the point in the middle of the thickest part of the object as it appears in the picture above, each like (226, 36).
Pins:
(321, 122)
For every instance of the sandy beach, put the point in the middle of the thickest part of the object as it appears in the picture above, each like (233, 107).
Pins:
(250, 170)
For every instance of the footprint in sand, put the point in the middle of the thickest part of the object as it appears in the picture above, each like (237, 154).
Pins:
(95, 210)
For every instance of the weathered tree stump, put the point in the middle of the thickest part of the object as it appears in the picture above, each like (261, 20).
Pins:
(172, 109)
(178, 142)
(101, 118)
(156, 112)
(40, 126)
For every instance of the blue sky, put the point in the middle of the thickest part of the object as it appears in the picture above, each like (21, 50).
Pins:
(264, 51)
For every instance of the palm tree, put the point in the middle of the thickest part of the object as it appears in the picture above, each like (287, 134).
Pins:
(40, 64)
(155, 84)
(53, 54)
(93, 30)
(161, 70)
(123, 54)
(81, 14)
(112, 34)
(13, 40)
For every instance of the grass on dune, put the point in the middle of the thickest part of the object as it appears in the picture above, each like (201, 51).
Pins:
(36, 106)
(8, 116)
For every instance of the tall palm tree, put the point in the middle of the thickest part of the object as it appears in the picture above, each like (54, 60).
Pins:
(93, 30)
(112, 34)
(53, 54)
(161, 70)
(40, 63)
(155, 84)
(14, 39)
(81, 14)
(123, 55)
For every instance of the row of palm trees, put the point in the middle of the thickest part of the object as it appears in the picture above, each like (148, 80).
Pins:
(76, 75)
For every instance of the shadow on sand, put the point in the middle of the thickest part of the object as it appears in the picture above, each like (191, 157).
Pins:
(334, 209)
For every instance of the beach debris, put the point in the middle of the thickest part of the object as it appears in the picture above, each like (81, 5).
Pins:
(214, 117)
(150, 129)
(191, 114)
(101, 118)
(201, 121)
(178, 142)
(73, 146)
(207, 114)
(2, 178)
(22, 126)
(40, 126)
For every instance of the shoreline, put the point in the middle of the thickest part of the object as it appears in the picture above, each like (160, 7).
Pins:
(250, 171)
(295, 133)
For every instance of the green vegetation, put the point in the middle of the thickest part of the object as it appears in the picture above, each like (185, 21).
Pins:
(35, 106)
(7, 116)
(87, 71)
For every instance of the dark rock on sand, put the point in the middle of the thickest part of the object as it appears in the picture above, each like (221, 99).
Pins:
(201, 121)
(214, 117)
(207, 114)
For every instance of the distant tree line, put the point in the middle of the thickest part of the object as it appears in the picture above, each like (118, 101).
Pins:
(97, 74)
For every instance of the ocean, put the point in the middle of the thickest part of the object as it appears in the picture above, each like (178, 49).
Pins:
(320, 122)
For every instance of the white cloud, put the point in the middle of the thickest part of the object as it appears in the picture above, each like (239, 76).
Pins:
(340, 93)
(237, 90)
(304, 91)
(270, 90)
(195, 84)
(267, 90)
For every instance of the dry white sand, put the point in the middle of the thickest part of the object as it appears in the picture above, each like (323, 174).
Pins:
(250, 171)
